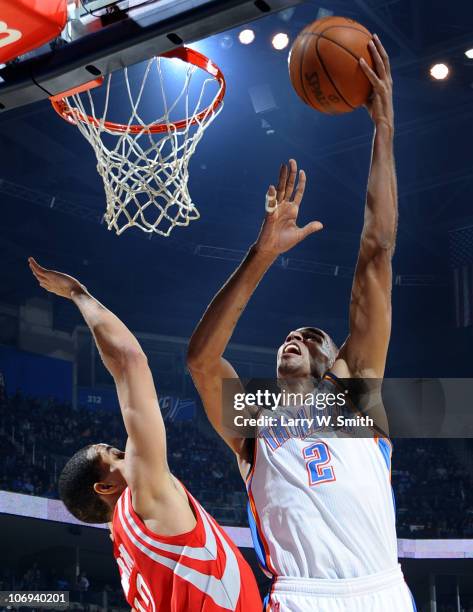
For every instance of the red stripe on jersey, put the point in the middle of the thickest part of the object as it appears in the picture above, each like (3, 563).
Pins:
(201, 555)
(201, 569)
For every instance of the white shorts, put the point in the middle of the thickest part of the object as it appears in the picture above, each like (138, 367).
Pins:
(383, 592)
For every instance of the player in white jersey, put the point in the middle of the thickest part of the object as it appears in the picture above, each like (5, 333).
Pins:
(321, 505)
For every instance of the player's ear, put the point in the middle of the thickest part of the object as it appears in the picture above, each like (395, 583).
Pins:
(105, 488)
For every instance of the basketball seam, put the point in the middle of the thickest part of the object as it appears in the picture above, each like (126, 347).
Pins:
(349, 27)
(328, 75)
(321, 35)
(316, 33)
(306, 97)
(337, 43)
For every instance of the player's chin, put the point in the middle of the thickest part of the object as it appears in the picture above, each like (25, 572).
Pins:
(291, 365)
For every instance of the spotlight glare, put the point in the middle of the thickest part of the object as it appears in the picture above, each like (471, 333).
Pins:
(246, 37)
(439, 71)
(280, 41)
(469, 53)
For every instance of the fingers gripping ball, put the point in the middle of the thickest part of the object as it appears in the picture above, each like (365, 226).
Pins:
(324, 65)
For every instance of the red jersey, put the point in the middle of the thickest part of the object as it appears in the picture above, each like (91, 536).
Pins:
(201, 570)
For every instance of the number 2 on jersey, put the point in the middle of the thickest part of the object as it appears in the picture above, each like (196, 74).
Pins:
(317, 456)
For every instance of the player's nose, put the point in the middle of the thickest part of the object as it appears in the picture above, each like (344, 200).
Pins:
(294, 335)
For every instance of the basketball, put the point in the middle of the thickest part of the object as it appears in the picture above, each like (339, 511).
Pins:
(324, 66)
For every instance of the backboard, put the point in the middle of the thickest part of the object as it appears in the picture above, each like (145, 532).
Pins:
(101, 37)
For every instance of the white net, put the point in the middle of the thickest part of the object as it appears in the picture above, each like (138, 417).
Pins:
(145, 165)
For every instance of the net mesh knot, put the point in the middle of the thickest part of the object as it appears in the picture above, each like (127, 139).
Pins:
(145, 173)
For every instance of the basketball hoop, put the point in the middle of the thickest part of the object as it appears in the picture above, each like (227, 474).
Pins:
(143, 164)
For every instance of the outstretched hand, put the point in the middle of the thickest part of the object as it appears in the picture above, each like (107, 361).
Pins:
(55, 282)
(380, 105)
(280, 232)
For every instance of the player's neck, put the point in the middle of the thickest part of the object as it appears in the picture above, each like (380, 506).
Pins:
(296, 387)
(111, 501)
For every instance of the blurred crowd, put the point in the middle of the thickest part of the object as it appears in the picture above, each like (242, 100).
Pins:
(37, 437)
(36, 579)
(432, 482)
(89, 594)
(82, 593)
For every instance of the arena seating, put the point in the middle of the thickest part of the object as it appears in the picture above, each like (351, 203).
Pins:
(432, 486)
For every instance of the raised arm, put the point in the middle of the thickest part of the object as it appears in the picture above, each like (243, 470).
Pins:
(278, 234)
(365, 350)
(145, 457)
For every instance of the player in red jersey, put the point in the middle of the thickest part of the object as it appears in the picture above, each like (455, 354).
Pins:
(172, 556)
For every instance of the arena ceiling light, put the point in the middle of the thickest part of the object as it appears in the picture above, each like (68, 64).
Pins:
(439, 72)
(469, 53)
(280, 41)
(246, 37)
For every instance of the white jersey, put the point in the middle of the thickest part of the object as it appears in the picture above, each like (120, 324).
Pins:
(322, 507)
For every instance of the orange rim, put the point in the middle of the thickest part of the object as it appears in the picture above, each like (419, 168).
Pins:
(185, 54)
